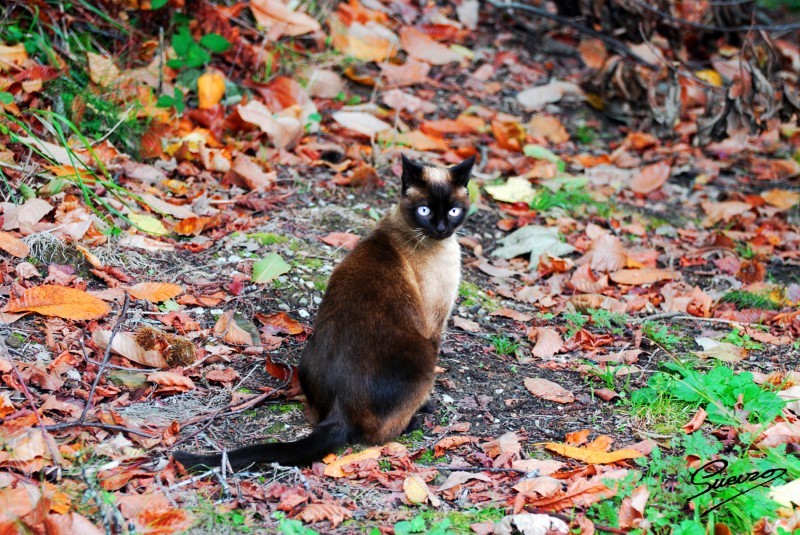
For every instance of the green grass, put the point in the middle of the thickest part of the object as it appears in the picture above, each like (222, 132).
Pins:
(471, 295)
(268, 238)
(283, 408)
(504, 345)
(660, 335)
(751, 300)
(738, 338)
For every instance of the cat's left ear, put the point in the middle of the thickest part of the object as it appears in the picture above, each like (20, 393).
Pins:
(412, 173)
(460, 173)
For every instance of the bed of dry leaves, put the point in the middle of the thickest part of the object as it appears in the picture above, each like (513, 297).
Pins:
(82, 307)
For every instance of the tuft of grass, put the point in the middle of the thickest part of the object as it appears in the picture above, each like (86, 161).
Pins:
(660, 335)
(739, 338)
(504, 345)
(744, 299)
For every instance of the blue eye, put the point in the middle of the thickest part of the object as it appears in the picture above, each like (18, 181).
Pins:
(424, 211)
(455, 211)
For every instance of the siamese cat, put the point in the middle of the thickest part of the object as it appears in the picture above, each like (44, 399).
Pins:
(368, 367)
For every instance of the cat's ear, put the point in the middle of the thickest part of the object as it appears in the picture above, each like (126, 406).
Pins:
(460, 173)
(412, 173)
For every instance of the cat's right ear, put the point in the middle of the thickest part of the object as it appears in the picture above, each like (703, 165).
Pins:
(412, 173)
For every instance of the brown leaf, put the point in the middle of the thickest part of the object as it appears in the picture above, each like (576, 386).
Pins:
(583, 303)
(465, 324)
(606, 253)
(59, 301)
(26, 215)
(155, 292)
(70, 524)
(13, 245)
(538, 486)
(585, 281)
(459, 478)
(227, 329)
(171, 381)
(723, 211)
(409, 73)
(631, 511)
(636, 277)
(346, 240)
(125, 345)
(606, 394)
(515, 315)
(225, 375)
(593, 52)
(448, 443)
(284, 132)
(781, 198)
(651, 178)
(548, 342)
(577, 438)
(548, 390)
(102, 69)
(253, 173)
(316, 512)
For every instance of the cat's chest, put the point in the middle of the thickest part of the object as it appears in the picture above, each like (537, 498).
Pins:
(438, 276)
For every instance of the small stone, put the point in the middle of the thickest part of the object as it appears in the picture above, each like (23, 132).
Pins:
(447, 399)
(304, 301)
(303, 313)
(317, 300)
(284, 307)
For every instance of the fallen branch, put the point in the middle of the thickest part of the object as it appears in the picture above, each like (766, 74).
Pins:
(99, 425)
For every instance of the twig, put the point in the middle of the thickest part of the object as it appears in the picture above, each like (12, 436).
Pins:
(474, 469)
(99, 425)
(193, 479)
(611, 42)
(106, 356)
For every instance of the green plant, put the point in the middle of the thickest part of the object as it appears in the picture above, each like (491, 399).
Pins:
(585, 134)
(741, 339)
(576, 321)
(660, 335)
(744, 300)
(571, 198)
(176, 101)
(503, 345)
(613, 321)
(211, 518)
(426, 458)
(192, 54)
(419, 525)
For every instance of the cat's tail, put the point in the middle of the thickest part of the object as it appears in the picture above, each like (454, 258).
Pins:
(329, 435)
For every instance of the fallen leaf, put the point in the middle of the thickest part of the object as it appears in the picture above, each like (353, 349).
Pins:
(371, 41)
(723, 211)
(535, 240)
(284, 132)
(510, 313)
(171, 382)
(155, 292)
(584, 303)
(26, 215)
(538, 486)
(416, 489)
(536, 98)
(316, 512)
(334, 468)
(227, 329)
(696, 422)
(593, 52)
(280, 20)
(548, 390)
(781, 198)
(253, 173)
(606, 254)
(125, 345)
(459, 478)
(788, 494)
(531, 524)
(210, 89)
(466, 325)
(651, 178)
(361, 122)
(592, 456)
(270, 267)
(409, 73)
(59, 301)
(13, 245)
(102, 69)
(723, 351)
(549, 128)
(516, 189)
(420, 46)
(636, 277)
(631, 510)
(548, 342)
(451, 442)
(346, 240)
(279, 323)
(225, 376)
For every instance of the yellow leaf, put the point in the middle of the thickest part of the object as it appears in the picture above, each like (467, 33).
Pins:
(12, 55)
(592, 456)
(210, 89)
(59, 301)
(711, 76)
(415, 489)
(334, 469)
(516, 189)
(155, 292)
(149, 224)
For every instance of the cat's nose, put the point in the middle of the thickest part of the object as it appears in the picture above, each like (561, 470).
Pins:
(441, 228)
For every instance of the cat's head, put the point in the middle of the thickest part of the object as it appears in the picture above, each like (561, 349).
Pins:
(435, 199)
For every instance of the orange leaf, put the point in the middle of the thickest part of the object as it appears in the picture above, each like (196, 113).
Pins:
(279, 323)
(13, 245)
(449, 443)
(59, 301)
(334, 469)
(346, 240)
(210, 89)
(549, 128)
(174, 382)
(592, 456)
(418, 45)
(281, 20)
(155, 292)
(227, 329)
(577, 438)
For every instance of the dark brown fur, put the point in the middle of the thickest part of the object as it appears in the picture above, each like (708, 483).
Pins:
(369, 366)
